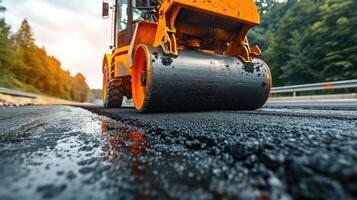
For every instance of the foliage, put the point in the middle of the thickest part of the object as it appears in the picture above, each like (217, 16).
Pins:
(307, 41)
(25, 66)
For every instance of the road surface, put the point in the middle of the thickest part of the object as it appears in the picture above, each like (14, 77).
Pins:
(287, 152)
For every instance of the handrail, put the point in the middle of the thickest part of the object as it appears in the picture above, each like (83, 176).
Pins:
(275, 90)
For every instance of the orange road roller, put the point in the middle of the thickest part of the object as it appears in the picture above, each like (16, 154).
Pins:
(184, 55)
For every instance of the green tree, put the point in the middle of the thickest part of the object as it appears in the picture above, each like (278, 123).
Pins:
(264, 5)
(24, 37)
(31, 56)
(308, 40)
(289, 50)
(80, 90)
(4, 29)
(334, 37)
(5, 46)
(2, 8)
(23, 65)
(10, 64)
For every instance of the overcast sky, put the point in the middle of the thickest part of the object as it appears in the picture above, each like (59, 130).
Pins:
(71, 30)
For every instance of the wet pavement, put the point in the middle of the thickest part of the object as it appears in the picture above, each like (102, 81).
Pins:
(62, 152)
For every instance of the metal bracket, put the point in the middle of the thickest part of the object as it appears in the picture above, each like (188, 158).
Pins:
(169, 45)
(247, 53)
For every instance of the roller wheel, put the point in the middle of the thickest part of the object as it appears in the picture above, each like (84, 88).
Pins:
(112, 94)
(141, 79)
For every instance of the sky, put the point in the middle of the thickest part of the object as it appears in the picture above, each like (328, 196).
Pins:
(71, 30)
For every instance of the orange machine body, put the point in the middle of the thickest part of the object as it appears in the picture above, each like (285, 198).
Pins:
(162, 33)
(215, 27)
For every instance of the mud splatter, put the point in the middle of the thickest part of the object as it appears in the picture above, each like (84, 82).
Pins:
(258, 67)
(249, 67)
(166, 60)
(155, 54)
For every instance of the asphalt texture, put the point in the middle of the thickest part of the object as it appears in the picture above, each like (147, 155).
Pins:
(63, 152)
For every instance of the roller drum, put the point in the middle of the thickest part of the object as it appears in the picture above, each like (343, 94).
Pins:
(198, 81)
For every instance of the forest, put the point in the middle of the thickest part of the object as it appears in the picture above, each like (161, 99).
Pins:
(25, 66)
(307, 41)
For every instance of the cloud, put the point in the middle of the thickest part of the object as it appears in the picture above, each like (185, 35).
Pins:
(72, 31)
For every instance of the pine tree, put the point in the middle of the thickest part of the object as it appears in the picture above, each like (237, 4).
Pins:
(10, 64)
(24, 37)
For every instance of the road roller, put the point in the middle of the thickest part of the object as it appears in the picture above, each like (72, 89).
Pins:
(184, 55)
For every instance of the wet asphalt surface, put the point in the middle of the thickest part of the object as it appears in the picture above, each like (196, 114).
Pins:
(63, 152)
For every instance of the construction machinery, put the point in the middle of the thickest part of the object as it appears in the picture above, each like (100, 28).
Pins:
(180, 55)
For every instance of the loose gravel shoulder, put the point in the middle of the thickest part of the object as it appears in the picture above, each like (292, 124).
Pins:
(70, 153)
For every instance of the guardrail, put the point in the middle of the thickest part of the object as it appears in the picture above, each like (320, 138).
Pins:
(315, 86)
(275, 90)
(18, 93)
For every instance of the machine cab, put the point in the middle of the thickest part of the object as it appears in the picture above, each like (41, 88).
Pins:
(126, 14)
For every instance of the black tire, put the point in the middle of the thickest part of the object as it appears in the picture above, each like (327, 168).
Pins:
(114, 97)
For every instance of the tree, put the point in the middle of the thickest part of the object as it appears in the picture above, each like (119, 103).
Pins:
(24, 37)
(80, 90)
(4, 28)
(289, 47)
(335, 40)
(2, 8)
(9, 62)
(308, 40)
(24, 65)
(264, 5)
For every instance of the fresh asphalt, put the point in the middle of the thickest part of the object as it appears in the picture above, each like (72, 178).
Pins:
(277, 152)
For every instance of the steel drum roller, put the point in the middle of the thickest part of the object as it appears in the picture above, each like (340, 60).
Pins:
(197, 81)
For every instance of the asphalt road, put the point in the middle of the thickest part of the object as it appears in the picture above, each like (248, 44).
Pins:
(287, 152)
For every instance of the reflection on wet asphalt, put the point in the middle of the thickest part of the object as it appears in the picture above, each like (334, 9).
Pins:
(64, 153)
(61, 152)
